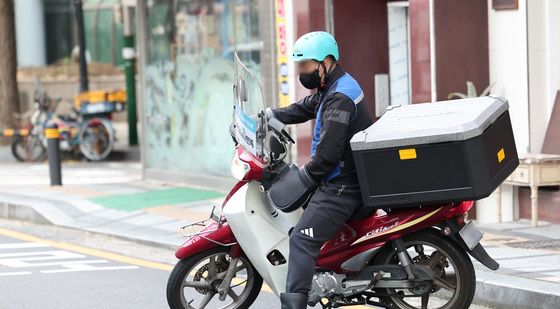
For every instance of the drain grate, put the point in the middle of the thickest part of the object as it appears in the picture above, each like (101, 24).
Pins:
(537, 244)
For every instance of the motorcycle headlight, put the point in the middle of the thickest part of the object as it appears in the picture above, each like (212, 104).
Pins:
(239, 169)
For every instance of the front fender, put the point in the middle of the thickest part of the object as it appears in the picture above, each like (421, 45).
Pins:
(221, 235)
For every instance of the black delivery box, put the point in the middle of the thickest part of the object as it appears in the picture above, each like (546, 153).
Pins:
(430, 153)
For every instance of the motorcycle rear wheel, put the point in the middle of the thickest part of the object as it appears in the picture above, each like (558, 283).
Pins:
(97, 138)
(459, 286)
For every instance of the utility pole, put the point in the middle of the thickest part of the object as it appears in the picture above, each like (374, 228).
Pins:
(129, 56)
(9, 100)
(79, 14)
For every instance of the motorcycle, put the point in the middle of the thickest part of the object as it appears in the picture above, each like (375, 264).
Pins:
(93, 137)
(415, 257)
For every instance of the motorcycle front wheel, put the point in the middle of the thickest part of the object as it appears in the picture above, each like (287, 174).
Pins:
(194, 282)
(454, 281)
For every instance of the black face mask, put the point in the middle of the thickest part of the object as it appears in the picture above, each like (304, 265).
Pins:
(311, 80)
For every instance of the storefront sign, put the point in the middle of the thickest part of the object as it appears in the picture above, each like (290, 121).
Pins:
(282, 56)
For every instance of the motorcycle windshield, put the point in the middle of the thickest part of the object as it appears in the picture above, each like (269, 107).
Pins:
(250, 130)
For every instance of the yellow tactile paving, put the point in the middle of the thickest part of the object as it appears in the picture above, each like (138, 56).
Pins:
(178, 213)
(76, 190)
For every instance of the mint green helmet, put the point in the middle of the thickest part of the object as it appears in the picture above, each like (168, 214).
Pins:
(315, 45)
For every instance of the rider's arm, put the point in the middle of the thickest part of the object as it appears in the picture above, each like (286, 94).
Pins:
(334, 135)
(298, 112)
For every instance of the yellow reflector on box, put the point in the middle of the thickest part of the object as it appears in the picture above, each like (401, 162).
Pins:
(407, 154)
(501, 155)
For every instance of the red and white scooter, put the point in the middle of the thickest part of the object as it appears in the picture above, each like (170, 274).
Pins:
(409, 258)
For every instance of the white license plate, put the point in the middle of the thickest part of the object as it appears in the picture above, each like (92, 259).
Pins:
(470, 235)
(95, 108)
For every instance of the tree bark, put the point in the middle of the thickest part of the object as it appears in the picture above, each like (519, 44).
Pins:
(9, 100)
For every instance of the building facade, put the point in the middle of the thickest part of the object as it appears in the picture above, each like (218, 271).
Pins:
(401, 52)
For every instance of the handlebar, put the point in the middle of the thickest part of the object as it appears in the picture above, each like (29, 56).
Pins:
(276, 146)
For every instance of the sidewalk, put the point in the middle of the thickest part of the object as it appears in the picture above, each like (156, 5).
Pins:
(111, 198)
(107, 198)
(529, 273)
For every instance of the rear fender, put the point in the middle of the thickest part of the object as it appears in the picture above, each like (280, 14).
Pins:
(478, 252)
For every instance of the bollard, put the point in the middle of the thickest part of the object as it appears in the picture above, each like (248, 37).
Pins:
(53, 153)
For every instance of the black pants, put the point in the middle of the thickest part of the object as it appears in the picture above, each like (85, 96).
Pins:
(328, 209)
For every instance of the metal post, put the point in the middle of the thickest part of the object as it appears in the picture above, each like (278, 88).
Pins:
(129, 56)
(84, 84)
(498, 193)
(53, 152)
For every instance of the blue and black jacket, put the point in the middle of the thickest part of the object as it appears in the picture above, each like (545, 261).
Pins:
(340, 112)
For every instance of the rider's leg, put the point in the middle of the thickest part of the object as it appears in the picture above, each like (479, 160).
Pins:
(328, 209)
(293, 300)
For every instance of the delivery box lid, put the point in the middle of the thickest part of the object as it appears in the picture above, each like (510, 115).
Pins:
(415, 124)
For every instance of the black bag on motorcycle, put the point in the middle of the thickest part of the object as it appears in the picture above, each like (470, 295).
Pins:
(289, 187)
(438, 152)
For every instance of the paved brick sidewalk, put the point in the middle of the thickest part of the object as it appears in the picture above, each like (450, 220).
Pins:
(525, 251)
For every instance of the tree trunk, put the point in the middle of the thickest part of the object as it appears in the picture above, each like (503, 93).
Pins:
(8, 67)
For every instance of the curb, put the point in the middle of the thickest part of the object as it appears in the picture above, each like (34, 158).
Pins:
(492, 289)
(28, 213)
(19, 212)
(503, 291)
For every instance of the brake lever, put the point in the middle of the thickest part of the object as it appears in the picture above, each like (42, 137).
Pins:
(287, 136)
(279, 127)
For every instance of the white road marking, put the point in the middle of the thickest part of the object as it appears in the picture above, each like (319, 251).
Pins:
(56, 254)
(23, 264)
(59, 261)
(84, 267)
(21, 245)
(15, 273)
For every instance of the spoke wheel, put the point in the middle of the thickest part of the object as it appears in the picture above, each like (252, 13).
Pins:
(97, 139)
(194, 282)
(28, 149)
(454, 277)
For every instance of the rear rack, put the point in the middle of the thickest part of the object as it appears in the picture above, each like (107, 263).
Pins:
(199, 228)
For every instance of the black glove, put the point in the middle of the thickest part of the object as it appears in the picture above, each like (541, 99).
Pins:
(292, 189)
(306, 178)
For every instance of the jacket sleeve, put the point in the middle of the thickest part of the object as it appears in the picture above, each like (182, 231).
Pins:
(298, 112)
(336, 116)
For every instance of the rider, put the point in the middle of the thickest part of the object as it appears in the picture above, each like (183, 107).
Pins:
(340, 111)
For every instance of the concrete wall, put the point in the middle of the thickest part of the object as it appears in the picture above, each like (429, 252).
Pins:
(507, 39)
(544, 66)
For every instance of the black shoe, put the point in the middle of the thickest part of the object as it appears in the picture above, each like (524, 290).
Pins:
(293, 300)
